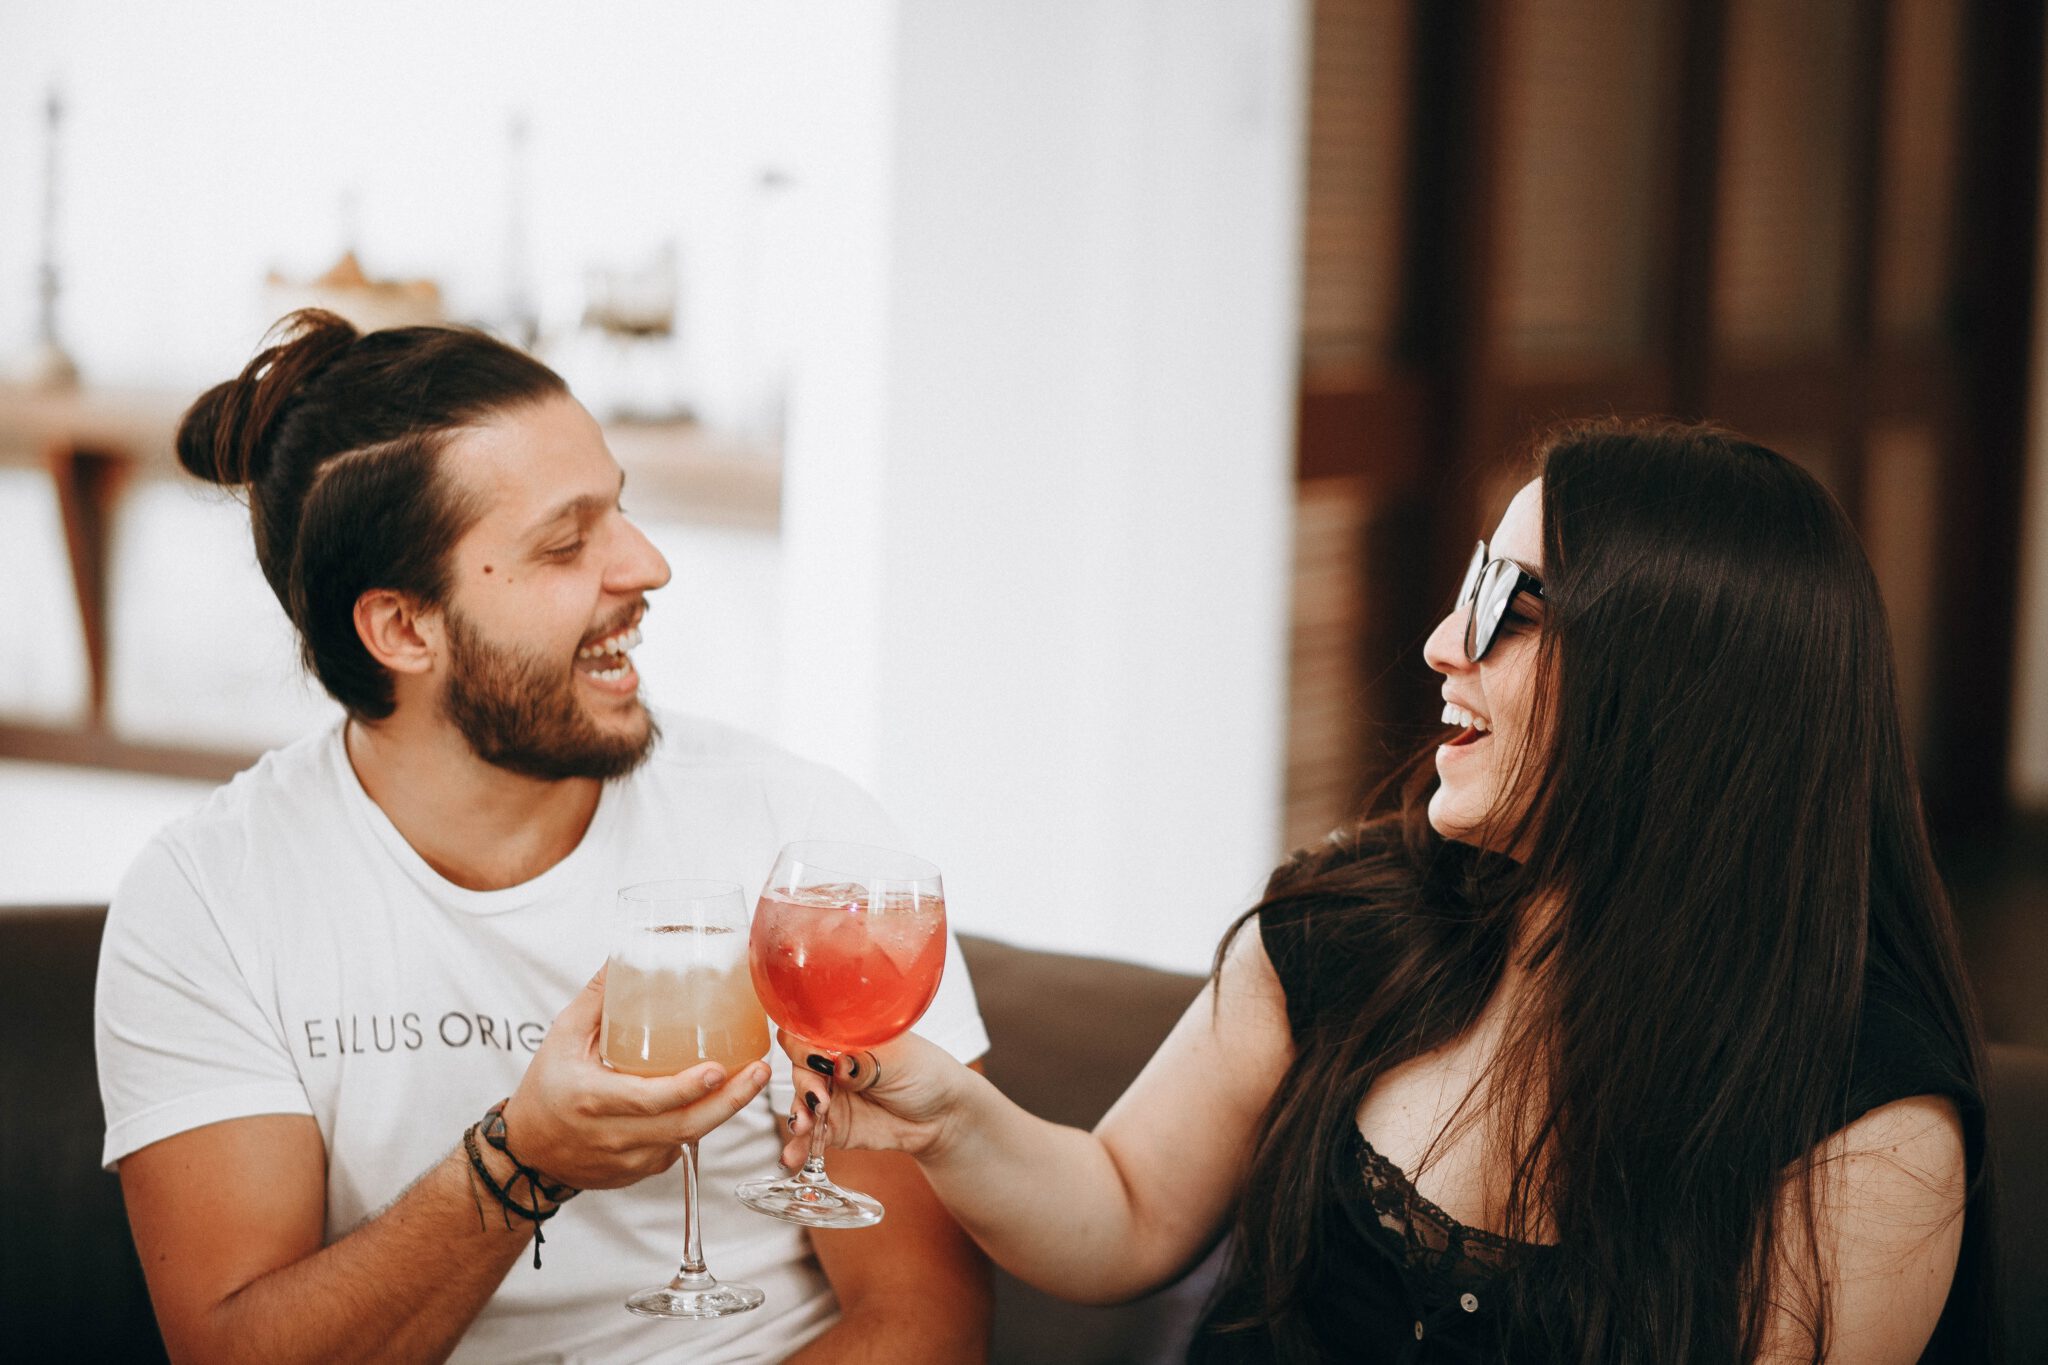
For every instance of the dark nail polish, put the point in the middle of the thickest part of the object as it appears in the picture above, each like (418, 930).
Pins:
(821, 1065)
(810, 1101)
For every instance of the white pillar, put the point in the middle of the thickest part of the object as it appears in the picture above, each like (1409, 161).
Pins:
(1039, 492)
(837, 459)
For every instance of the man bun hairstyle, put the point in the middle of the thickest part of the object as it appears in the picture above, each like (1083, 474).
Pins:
(224, 437)
(335, 434)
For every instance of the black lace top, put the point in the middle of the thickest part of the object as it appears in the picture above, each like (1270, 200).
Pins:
(1432, 1245)
(1409, 1282)
(1405, 1281)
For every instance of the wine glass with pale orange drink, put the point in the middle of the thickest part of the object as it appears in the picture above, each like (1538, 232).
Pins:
(678, 993)
(847, 948)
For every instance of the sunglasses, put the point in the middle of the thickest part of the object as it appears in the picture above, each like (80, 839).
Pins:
(1490, 586)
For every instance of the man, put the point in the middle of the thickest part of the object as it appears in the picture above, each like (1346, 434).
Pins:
(311, 989)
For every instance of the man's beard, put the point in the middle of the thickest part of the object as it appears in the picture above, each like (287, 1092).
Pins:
(521, 714)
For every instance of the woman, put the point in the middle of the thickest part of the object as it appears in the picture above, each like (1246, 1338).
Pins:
(1636, 1033)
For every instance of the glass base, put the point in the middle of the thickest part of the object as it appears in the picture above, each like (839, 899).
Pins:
(811, 1200)
(684, 1297)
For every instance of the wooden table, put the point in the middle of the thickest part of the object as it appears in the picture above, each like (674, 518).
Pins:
(94, 442)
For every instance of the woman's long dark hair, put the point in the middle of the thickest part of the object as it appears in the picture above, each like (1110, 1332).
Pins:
(1727, 844)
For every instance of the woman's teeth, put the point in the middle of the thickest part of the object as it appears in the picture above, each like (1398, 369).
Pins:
(1458, 715)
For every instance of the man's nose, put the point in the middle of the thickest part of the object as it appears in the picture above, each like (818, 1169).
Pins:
(638, 567)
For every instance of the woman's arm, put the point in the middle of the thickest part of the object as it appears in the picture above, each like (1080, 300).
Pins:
(1890, 1189)
(1096, 1217)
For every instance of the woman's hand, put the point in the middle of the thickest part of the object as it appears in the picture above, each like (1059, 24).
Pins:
(904, 1096)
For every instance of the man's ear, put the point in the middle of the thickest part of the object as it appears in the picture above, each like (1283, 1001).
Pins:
(397, 631)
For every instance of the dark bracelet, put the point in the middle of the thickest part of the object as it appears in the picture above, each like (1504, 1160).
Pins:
(492, 1125)
(508, 1202)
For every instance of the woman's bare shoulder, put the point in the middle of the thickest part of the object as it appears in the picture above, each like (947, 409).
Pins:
(1890, 1189)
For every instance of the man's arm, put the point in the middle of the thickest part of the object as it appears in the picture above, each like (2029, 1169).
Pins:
(229, 1218)
(913, 1288)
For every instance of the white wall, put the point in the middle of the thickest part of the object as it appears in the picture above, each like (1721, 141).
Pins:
(1057, 593)
(210, 141)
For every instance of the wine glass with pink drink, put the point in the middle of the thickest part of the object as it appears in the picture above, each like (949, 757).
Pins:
(847, 948)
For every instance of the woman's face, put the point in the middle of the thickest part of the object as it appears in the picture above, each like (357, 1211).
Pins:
(1489, 703)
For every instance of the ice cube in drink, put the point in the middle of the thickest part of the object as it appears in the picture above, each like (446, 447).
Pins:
(839, 972)
(677, 995)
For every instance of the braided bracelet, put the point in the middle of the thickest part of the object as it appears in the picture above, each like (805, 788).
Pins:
(492, 1125)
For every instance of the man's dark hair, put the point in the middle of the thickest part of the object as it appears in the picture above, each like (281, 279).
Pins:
(336, 433)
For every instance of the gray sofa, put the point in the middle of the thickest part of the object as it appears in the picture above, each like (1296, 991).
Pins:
(72, 1290)
(1069, 1033)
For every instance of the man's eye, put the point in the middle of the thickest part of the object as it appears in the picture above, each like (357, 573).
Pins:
(568, 551)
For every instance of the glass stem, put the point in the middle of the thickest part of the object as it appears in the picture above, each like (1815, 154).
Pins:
(813, 1172)
(692, 1274)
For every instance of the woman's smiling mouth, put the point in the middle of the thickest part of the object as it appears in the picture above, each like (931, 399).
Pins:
(1473, 727)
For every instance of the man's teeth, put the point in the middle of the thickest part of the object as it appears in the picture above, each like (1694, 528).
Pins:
(1458, 715)
(617, 644)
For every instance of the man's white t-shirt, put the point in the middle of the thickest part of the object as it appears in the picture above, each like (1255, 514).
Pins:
(283, 950)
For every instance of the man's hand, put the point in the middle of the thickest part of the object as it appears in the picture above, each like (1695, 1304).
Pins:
(580, 1123)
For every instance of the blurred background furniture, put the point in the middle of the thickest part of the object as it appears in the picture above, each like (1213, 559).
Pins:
(2019, 1146)
(1069, 1034)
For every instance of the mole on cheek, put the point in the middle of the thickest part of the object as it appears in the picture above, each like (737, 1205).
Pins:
(487, 568)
